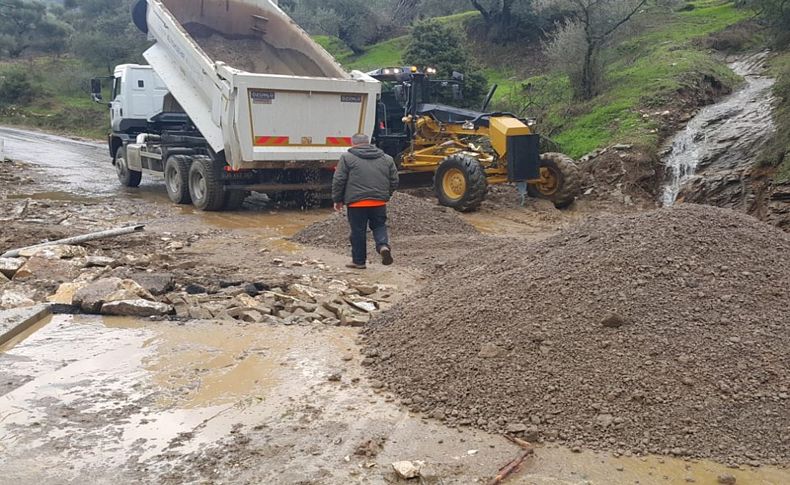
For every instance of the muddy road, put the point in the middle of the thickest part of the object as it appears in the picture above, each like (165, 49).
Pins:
(206, 399)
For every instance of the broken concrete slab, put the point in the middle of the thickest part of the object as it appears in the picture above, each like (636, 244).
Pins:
(91, 297)
(155, 283)
(136, 308)
(9, 266)
(42, 267)
(100, 261)
(408, 469)
(56, 251)
(14, 299)
(17, 320)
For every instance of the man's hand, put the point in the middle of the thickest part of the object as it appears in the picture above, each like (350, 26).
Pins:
(338, 206)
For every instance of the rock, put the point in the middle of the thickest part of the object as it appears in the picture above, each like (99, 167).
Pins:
(40, 267)
(408, 469)
(622, 146)
(3, 279)
(516, 428)
(612, 320)
(334, 377)
(9, 266)
(199, 313)
(175, 245)
(91, 297)
(154, 283)
(366, 290)
(57, 251)
(532, 433)
(365, 306)
(304, 293)
(100, 261)
(14, 299)
(136, 308)
(489, 351)
(194, 289)
(246, 314)
(354, 319)
(604, 420)
(726, 479)
(65, 293)
(376, 384)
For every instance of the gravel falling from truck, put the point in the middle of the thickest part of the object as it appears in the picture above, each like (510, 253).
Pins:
(662, 332)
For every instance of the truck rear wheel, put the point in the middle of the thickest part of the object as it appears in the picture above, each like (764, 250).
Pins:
(205, 184)
(460, 183)
(177, 179)
(561, 182)
(127, 177)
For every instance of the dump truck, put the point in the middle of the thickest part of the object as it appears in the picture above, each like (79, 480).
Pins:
(235, 98)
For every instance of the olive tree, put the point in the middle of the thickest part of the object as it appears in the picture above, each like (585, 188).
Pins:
(576, 43)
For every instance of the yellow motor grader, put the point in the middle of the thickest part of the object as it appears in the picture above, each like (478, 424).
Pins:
(464, 150)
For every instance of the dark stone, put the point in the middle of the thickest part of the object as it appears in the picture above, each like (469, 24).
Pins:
(155, 283)
(194, 289)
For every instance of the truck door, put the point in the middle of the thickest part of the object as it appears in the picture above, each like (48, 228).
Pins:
(116, 105)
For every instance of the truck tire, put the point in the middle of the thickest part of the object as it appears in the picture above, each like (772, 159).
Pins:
(460, 183)
(563, 182)
(205, 184)
(234, 199)
(177, 178)
(127, 177)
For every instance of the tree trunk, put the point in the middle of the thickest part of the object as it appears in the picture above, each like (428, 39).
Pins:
(588, 74)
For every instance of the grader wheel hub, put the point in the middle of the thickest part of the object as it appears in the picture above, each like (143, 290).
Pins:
(454, 183)
(549, 181)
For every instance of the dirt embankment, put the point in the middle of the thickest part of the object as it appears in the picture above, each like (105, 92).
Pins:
(662, 332)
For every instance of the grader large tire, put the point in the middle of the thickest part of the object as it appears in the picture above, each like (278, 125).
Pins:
(460, 183)
(205, 184)
(562, 180)
(177, 178)
(127, 177)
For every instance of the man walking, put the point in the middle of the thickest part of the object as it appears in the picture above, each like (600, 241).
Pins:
(364, 181)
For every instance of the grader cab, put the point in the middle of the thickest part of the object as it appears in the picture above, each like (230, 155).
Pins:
(465, 150)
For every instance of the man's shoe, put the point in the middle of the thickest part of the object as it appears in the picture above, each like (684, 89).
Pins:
(386, 255)
(356, 266)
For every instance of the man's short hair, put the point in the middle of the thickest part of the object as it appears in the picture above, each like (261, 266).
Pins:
(360, 139)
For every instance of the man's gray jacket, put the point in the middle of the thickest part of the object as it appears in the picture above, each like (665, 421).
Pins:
(365, 172)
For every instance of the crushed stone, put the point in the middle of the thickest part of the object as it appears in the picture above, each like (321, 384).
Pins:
(661, 332)
(406, 216)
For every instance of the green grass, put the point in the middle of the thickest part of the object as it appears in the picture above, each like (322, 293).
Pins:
(384, 54)
(777, 151)
(334, 46)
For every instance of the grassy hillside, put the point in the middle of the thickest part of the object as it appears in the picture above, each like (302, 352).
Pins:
(778, 152)
(61, 101)
(649, 70)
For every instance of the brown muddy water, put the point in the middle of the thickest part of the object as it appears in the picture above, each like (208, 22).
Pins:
(99, 399)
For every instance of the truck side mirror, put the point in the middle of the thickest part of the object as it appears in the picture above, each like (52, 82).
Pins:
(96, 90)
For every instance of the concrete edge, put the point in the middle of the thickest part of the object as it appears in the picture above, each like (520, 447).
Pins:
(17, 320)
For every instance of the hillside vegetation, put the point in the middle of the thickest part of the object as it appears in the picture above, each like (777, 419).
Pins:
(663, 60)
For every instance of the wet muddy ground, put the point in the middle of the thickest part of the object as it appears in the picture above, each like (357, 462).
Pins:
(87, 399)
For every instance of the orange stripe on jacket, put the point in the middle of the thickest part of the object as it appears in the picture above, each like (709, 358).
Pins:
(367, 203)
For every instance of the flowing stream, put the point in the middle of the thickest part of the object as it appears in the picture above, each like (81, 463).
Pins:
(723, 139)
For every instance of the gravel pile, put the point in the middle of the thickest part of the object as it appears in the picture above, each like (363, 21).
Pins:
(407, 216)
(663, 332)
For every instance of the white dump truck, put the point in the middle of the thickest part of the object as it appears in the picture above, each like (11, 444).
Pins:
(235, 98)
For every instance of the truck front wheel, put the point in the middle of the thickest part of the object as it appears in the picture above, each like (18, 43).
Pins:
(127, 177)
(205, 184)
(177, 179)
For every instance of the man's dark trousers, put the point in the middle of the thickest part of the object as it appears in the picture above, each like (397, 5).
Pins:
(360, 218)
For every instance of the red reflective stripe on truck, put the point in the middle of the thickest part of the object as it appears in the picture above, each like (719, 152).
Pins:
(342, 141)
(271, 140)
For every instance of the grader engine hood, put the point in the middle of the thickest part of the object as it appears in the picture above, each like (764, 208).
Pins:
(515, 142)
